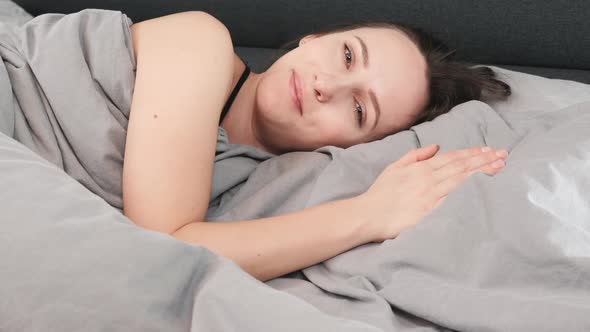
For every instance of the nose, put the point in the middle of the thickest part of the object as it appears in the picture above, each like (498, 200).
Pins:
(326, 86)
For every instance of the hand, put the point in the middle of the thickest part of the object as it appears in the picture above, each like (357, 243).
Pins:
(408, 189)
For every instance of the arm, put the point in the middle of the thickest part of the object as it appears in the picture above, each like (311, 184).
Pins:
(270, 247)
(184, 72)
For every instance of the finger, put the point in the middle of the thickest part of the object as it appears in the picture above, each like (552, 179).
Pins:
(493, 159)
(416, 155)
(445, 187)
(439, 202)
(450, 156)
(492, 169)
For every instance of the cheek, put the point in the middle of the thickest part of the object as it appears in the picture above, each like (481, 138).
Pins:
(333, 127)
(270, 100)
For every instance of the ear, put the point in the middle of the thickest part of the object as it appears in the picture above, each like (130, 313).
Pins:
(306, 39)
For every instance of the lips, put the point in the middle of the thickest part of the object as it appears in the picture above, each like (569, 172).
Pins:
(295, 91)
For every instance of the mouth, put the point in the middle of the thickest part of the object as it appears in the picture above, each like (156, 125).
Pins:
(295, 91)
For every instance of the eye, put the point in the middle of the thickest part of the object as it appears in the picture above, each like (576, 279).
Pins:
(347, 56)
(358, 109)
(359, 113)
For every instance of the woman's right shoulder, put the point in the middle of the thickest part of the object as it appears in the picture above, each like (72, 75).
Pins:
(190, 28)
(186, 20)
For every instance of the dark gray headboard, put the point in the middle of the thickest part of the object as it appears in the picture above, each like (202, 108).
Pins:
(549, 38)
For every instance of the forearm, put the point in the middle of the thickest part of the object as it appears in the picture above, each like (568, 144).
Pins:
(270, 247)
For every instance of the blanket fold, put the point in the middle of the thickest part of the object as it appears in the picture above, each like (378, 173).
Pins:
(72, 91)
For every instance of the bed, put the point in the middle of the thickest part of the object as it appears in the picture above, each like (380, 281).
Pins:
(509, 252)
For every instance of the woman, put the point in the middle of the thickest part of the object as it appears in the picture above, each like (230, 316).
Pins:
(344, 87)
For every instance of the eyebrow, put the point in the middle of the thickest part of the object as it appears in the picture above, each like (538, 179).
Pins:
(365, 53)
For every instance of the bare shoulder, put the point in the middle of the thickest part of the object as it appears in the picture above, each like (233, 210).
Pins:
(191, 29)
(185, 20)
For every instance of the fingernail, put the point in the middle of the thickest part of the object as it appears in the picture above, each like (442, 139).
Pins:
(498, 164)
(502, 153)
(486, 149)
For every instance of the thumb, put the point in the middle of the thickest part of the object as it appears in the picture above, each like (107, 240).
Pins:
(417, 155)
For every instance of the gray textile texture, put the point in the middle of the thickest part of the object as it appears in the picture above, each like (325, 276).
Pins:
(13, 14)
(509, 252)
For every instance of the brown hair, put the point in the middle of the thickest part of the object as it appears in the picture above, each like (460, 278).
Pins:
(450, 82)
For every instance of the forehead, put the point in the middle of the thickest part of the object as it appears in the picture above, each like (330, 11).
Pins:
(396, 72)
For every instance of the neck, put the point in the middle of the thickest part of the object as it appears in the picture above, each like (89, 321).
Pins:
(238, 123)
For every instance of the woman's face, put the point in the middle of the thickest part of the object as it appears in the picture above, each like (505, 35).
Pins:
(355, 86)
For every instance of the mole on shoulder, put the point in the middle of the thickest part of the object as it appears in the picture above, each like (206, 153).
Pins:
(155, 116)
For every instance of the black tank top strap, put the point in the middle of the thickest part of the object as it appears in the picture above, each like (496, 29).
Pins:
(234, 92)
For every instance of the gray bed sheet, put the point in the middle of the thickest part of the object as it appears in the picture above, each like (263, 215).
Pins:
(509, 252)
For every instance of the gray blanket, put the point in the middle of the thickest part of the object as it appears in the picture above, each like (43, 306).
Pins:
(503, 253)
